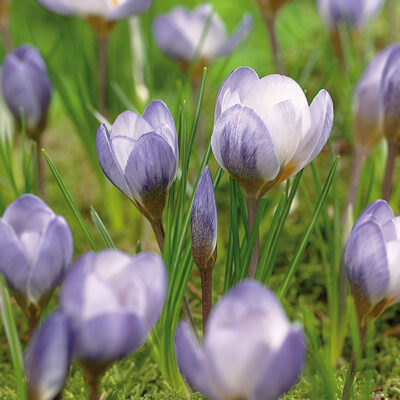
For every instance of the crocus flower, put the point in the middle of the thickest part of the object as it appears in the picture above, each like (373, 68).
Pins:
(371, 258)
(35, 251)
(204, 222)
(179, 34)
(113, 301)
(264, 130)
(355, 13)
(26, 85)
(48, 358)
(106, 9)
(368, 103)
(250, 351)
(139, 155)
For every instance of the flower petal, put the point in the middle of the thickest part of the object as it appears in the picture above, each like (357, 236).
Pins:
(379, 212)
(235, 86)
(48, 358)
(131, 125)
(191, 362)
(108, 162)
(243, 147)
(129, 8)
(393, 254)
(57, 6)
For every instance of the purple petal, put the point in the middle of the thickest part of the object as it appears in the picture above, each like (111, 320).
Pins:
(190, 359)
(243, 147)
(239, 81)
(57, 6)
(283, 371)
(108, 161)
(171, 40)
(157, 114)
(48, 358)
(129, 8)
(379, 212)
(130, 125)
(54, 257)
(14, 264)
(109, 337)
(204, 220)
(150, 170)
(366, 261)
(26, 84)
(244, 28)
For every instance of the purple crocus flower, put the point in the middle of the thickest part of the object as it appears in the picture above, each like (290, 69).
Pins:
(355, 13)
(371, 259)
(26, 85)
(391, 96)
(368, 121)
(113, 301)
(250, 351)
(265, 131)
(48, 358)
(139, 155)
(109, 10)
(35, 251)
(179, 34)
(204, 221)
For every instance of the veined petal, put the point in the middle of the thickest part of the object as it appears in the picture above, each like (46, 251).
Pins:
(237, 84)
(108, 162)
(191, 361)
(393, 254)
(367, 262)
(53, 258)
(131, 125)
(159, 117)
(284, 127)
(379, 212)
(243, 147)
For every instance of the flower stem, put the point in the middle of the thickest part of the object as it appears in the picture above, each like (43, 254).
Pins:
(351, 374)
(103, 42)
(5, 33)
(270, 23)
(355, 180)
(159, 233)
(390, 163)
(93, 382)
(206, 294)
(33, 322)
(252, 207)
(40, 169)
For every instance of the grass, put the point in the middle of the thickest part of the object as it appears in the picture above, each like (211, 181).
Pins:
(70, 52)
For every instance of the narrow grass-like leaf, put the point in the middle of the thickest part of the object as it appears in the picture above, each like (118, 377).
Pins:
(101, 228)
(70, 202)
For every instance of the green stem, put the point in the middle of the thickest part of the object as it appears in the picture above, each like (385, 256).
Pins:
(270, 22)
(252, 207)
(390, 163)
(103, 41)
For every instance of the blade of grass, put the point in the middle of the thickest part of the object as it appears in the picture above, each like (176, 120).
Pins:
(101, 228)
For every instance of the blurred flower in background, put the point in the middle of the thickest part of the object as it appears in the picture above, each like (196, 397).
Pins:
(196, 35)
(48, 358)
(372, 260)
(355, 13)
(26, 85)
(250, 349)
(36, 250)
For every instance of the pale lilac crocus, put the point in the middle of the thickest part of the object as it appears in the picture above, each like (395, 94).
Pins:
(109, 10)
(250, 350)
(179, 34)
(139, 155)
(36, 250)
(26, 86)
(355, 13)
(48, 357)
(371, 258)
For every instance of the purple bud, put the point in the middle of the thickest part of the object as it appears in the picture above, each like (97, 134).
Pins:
(26, 85)
(113, 301)
(35, 251)
(391, 96)
(355, 13)
(48, 358)
(179, 33)
(265, 131)
(250, 349)
(139, 155)
(371, 259)
(204, 222)
(105, 9)
(368, 124)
